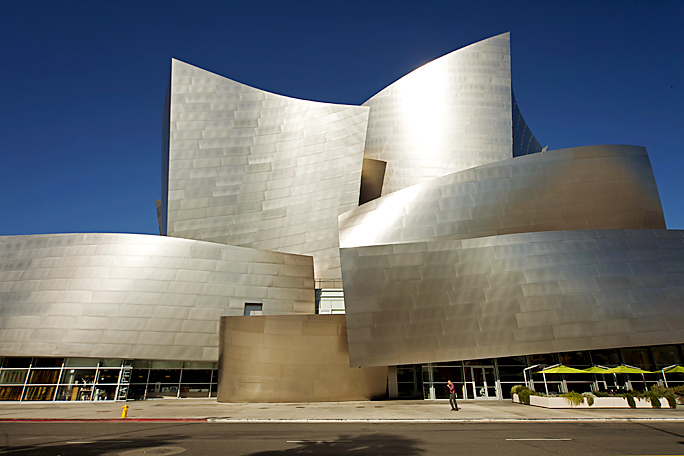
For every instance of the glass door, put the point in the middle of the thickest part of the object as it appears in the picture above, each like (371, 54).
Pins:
(480, 382)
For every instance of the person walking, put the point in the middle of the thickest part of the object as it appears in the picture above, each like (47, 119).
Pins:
(452, 396)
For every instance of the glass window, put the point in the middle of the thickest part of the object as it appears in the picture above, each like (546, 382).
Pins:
(193, 365)
(548, 359)
(141, 364)
(109, 362)
(47, 362)
(108, 375)
(605, 357)
(39, 393)
(139, 375)
(194, 390)
(666, 355)
(83, 376)
(444, 373)
(512, 361)
(164, 375)
(81, 362)
(575, 359)
(479, 362)
(13, 376)
(637, 357)
(10, 393)
(17, 362)
(166, 364)
(104, 393)
(45, 376)
(74, 393)
(196, 376)
(511, 373)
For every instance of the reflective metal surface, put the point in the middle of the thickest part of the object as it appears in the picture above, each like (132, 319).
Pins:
(136, 296)
(292, 358)
(255, 169)
(451, 114)
(593, 187)
(513, 295)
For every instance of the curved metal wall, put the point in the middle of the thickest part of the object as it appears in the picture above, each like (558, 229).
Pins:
(136, 296)
(255, 169)
(512, 295)
(593, 187)
(451, 114)
(292, 358)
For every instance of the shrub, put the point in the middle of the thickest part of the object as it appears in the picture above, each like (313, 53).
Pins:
(573, 398)
(671, 399)
(515, 389)
(590, 398)
(523, 393)
(630, 399)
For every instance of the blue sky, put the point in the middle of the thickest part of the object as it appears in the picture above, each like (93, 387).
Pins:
(82, 83)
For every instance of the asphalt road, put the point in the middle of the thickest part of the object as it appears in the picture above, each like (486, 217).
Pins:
(354, 439)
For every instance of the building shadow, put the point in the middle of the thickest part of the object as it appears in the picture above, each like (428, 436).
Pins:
(362, 445)
(127, 445)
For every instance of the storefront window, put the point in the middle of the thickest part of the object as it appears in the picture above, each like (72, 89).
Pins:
(13, 376)
(39, 393)
(665, 356)
(108, 375)
(83, 376)
(44, 376)
(10, 363)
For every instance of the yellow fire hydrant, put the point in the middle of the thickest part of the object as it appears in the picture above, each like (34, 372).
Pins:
(124, 412)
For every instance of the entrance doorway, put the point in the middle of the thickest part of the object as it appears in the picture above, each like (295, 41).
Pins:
(480, 382)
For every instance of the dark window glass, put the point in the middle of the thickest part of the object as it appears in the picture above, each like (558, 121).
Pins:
(548, 359)
(139, 375)
(479, 362)
(108, 376)
(17, 362)
(197, 376)
(48, 362)
(605, 357)
(637, 357)
(164, 376)
(575, 359)
(443, 373)
(666, 356)
(511, 373)
(198, 390)
(512, 361)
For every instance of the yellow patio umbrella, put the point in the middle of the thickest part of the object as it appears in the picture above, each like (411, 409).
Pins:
(673, 369)
(558, 369)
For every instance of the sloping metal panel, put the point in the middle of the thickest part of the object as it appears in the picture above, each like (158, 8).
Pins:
(255, 169)
(593, 187)
(451, 114)
(136, 296)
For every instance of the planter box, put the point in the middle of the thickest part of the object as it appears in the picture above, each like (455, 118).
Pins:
(599, 402)
(516, 399)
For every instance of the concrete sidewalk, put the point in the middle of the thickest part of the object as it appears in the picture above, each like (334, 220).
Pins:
(376, 411)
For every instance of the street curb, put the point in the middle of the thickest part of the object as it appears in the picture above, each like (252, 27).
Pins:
(323, 421)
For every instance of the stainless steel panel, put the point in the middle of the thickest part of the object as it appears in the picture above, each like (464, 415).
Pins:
(228, 165)
(291, 359)
(516, 310)
(139, 296)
